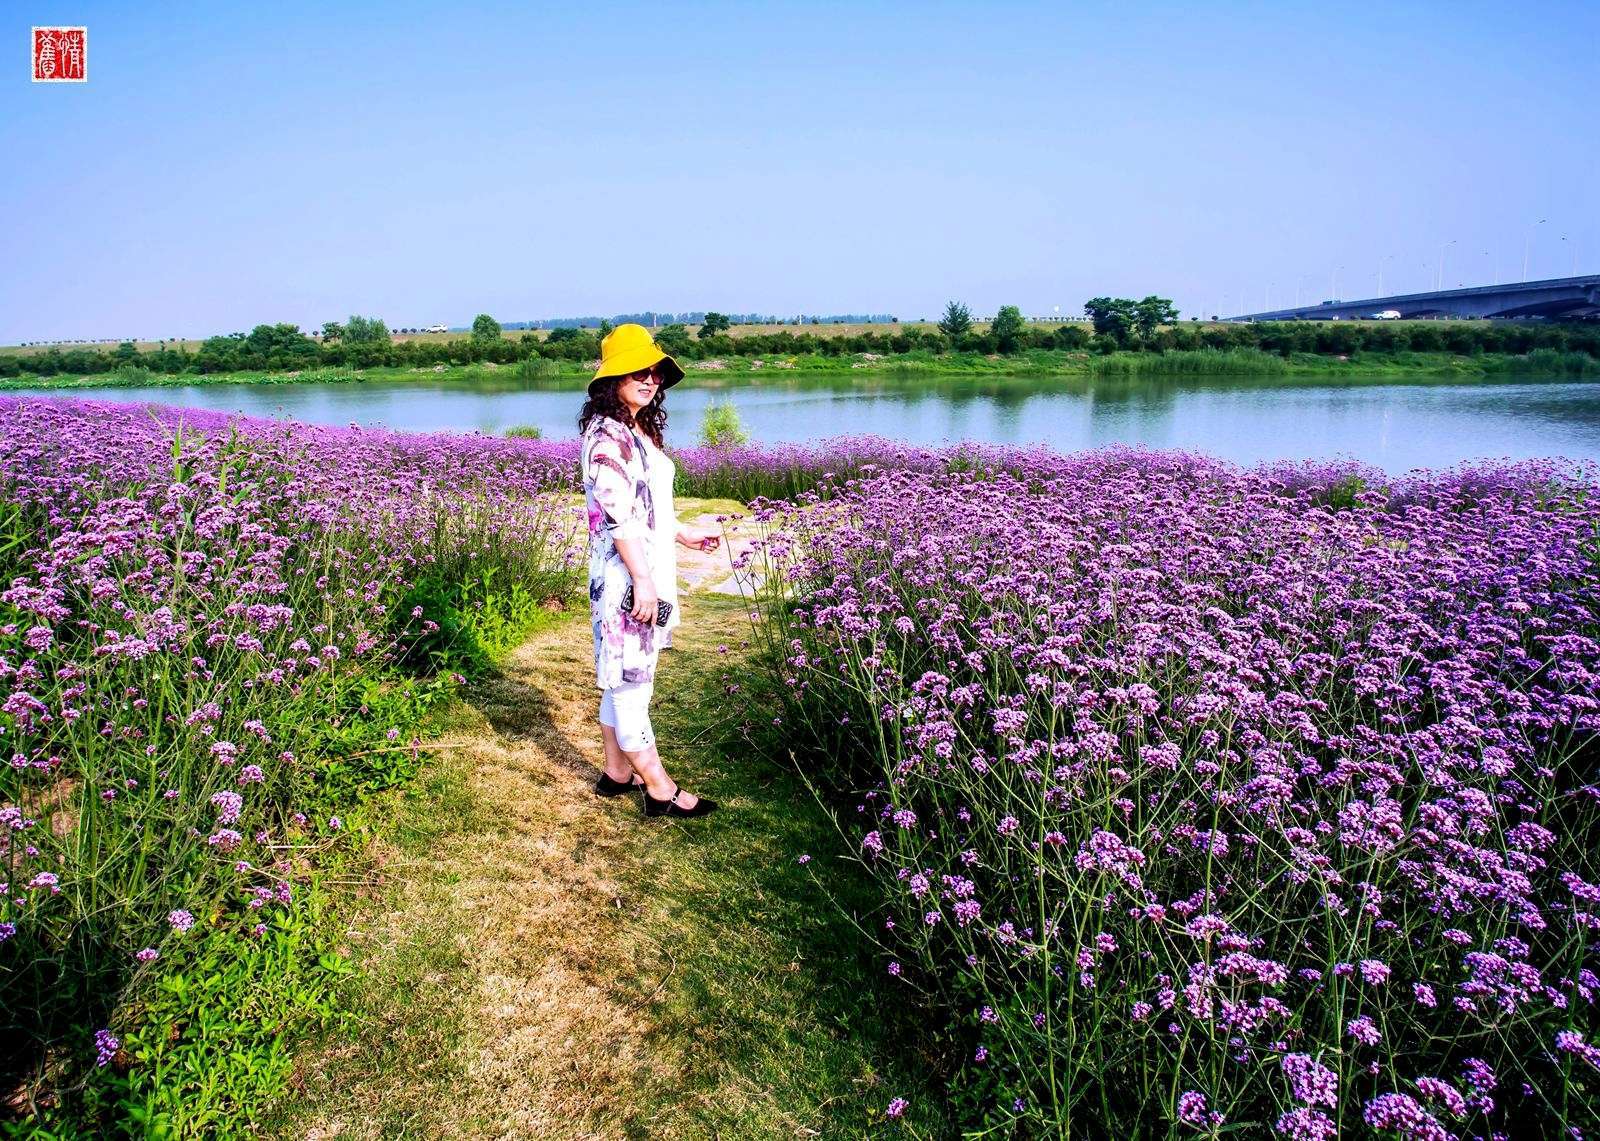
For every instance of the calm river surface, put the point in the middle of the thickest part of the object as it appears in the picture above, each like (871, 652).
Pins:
(1394, 425)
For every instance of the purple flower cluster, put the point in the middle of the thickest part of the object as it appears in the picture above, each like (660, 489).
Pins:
(1404, 1115)
(106, 1045)
(1314, 756)
(1310, 1081)
(187, 635)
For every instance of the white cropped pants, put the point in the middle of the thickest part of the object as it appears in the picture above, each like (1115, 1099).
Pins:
(626, 708)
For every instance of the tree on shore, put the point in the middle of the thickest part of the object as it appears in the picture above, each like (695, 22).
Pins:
(485, 328)
(1153, 312)
(332, 330)
(956, 322)
(1008, 329)
(674, 338)
(364, 331)
(267, 346)
(1113, 317)
(713, 324)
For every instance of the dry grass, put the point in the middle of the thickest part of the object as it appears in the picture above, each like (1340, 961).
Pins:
(516, 335)
(101, 346)
(549, 964)
(525, 922)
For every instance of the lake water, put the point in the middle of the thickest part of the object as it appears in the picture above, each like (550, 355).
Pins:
(1394, 425)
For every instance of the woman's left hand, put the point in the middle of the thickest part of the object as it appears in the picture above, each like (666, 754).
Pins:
(702, 540)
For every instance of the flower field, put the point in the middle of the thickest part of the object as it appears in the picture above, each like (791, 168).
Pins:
(1199, 801)
(215, 637)
(748, 472)
(1205, 800)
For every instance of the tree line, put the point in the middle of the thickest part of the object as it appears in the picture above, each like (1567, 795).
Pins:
(652, 319)
(1123, 325)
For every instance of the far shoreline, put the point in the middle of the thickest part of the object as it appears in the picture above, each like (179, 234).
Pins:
(1032, 365)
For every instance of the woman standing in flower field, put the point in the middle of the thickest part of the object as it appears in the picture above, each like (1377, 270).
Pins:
(633, 576)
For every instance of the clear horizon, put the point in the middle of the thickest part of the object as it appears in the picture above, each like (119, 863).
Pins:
(222, 169)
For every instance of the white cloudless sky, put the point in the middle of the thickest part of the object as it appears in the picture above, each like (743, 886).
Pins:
(227, 165)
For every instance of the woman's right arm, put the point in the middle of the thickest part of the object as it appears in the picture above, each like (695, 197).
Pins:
(644, 584)
(625, 518)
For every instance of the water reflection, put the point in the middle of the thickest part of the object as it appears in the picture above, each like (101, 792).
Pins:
(1245, 419)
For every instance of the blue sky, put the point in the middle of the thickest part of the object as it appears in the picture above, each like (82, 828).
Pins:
(231, 164)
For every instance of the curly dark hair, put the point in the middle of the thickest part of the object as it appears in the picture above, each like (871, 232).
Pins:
(604, 401)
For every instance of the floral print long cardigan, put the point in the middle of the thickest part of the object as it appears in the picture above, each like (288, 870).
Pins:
(616, 492)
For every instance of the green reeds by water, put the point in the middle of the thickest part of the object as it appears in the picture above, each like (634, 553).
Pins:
(538, 368)
(1190, 362)
(1542, 363)
(133, 374)
(1547, 362)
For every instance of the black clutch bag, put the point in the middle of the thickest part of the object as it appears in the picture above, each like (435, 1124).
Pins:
(663, 607)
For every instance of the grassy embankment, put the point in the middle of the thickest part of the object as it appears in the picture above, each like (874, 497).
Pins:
(542, 962)
(1033, 363)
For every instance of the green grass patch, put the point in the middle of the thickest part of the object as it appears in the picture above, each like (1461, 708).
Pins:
(408, 1018)
(764, 1011)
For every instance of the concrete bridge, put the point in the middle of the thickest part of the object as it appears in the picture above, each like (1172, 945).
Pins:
(1556, 297)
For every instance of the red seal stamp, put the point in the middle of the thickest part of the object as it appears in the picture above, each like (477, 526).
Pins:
(61, 55)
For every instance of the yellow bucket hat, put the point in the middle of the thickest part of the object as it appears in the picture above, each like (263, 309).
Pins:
(630, 348)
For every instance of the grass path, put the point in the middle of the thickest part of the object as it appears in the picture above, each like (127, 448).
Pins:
(540, 962)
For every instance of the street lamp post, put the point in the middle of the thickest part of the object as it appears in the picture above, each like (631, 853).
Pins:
(1442, 249)
(1527, 245)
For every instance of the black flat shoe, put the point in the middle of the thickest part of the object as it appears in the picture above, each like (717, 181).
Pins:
(671, 807)
(605, 786)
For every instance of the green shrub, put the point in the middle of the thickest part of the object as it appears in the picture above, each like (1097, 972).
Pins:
(525, 432)
(720, 427)
(1343, 494)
